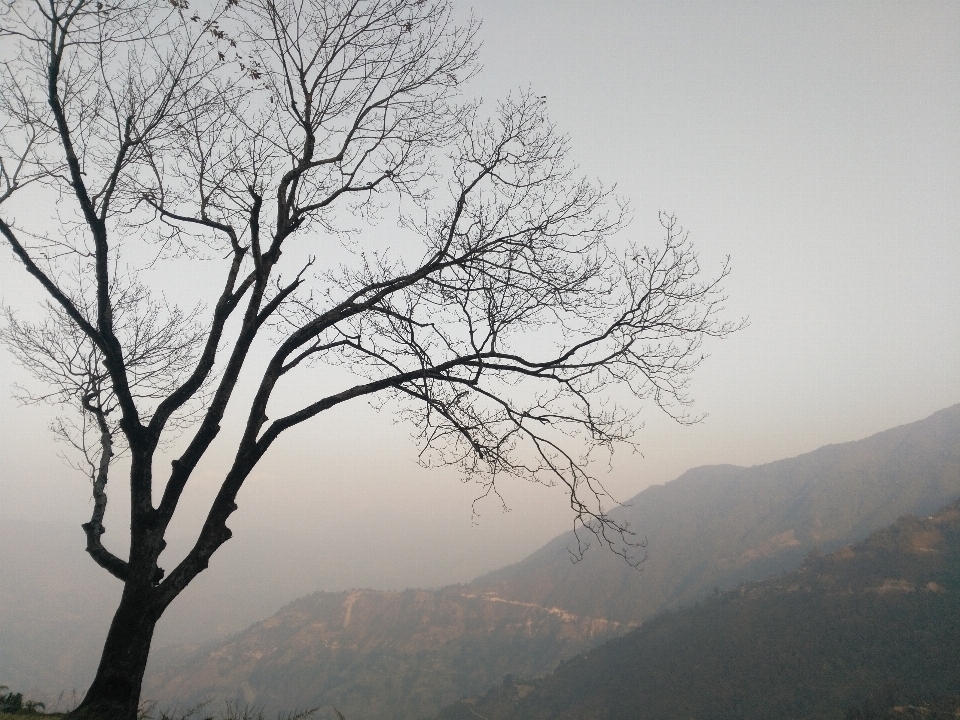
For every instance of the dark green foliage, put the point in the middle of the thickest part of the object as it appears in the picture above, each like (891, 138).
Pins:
(886, 707)
(938, 709)
(13, 703)
(864, 630)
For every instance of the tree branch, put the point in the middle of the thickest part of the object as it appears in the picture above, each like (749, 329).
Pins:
(94, 529)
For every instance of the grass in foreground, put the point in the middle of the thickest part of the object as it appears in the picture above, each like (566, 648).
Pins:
(14, 707)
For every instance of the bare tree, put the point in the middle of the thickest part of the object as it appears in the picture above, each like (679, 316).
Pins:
(501, 315)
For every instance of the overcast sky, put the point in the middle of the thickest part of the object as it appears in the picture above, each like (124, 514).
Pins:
(817, 144)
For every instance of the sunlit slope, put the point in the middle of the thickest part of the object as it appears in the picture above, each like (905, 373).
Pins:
(717, 526)
(378, 655)
(879, 618)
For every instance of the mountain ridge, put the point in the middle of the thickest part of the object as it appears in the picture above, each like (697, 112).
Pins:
(711, 529)
(387, 653)
(728, 518)
(876, 623)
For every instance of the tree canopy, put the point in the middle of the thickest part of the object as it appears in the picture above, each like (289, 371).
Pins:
(267, 138)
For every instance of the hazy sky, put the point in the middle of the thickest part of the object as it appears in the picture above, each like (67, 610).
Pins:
(817, 144)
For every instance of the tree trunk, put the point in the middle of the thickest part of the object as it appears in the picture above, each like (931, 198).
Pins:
(115, 692)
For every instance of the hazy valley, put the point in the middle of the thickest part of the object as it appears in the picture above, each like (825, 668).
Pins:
(322, 322)
(408, 654)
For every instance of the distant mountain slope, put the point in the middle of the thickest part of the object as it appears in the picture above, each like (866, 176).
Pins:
(717, 526)
(404, 655)
(376, 654)
(881, 615)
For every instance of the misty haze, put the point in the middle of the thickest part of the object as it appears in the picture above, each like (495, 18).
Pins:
(428, 359)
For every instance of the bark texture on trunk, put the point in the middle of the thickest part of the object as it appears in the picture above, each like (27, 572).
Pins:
(115, 692)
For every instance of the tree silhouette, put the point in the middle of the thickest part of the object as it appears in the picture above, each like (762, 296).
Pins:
(499, 315)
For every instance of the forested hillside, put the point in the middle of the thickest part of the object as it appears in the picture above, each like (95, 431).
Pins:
(877, 621)
(718, 526)
(405, 655)
(375, 654)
